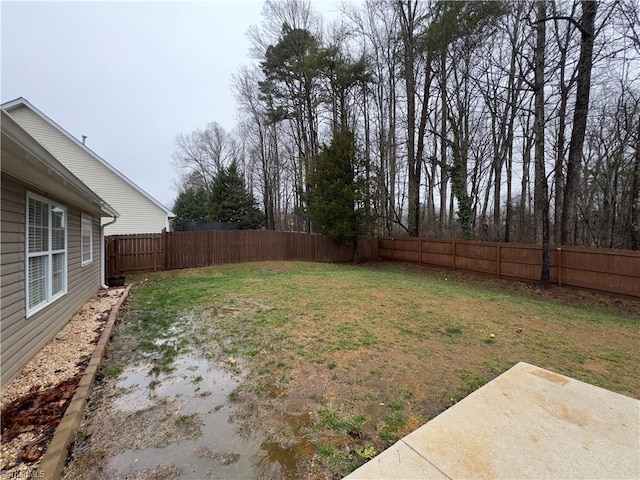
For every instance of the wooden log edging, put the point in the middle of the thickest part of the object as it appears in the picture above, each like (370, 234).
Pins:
(55, 457)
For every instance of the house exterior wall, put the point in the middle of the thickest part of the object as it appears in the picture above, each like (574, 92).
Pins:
(21, 337)
(138, 214)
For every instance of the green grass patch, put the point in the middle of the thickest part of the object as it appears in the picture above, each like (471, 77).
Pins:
(334, 459)
(112, 370)
(396, 404)
(470, 383)
(391, 427)
(617, 356)
(333, 420)
(453, 331)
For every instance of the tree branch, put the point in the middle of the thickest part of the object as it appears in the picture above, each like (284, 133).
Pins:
(562, 17)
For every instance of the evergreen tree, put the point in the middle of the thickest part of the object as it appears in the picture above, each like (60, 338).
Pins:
(336, 195)
(230, 201)
(191, 205)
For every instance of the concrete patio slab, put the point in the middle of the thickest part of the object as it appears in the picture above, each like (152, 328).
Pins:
(399, 462)
(527, 423)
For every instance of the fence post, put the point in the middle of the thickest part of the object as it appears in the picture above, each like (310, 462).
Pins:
(454, 253)
(108, 255)
(559, 266)
(420, 251)
(498, 259)
(155, 253)
(116, 266)
(165, 263)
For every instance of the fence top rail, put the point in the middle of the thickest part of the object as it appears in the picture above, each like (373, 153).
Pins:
(134, 235)
(448, 241)
(602, 251)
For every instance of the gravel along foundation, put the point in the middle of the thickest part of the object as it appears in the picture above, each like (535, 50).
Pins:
(33, 404)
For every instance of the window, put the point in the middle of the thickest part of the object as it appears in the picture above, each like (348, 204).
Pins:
(46, 252)
(87, 241)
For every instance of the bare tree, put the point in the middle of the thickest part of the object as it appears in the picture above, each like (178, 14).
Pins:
(541, 196)
(202, 153)
(635, 196)
(581, 110)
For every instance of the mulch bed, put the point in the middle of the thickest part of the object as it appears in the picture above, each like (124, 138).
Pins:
(39, 412)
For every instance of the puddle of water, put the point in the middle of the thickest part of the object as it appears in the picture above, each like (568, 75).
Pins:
(172, 335)
(222, 451)
(298, 423)
(288, 457)
(138, 375)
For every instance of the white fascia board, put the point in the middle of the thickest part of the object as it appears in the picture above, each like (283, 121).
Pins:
(21, 101)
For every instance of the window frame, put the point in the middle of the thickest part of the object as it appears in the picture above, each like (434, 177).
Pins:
(47, 254)
(86, 221)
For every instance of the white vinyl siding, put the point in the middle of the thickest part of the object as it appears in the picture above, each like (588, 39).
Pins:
(21, 337)
(87, 240)
(138, 214)
(46, 247)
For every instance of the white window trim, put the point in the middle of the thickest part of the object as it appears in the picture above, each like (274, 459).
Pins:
(49, 297)
(89, 223)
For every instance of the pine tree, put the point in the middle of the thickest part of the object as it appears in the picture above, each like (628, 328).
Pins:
(190, 206)
(230, 201)
(336, 191)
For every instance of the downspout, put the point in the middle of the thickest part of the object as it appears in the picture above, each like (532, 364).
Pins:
(102, 254)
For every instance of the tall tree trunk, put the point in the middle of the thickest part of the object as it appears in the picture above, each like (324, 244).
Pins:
(541, 200)
(393, 165)
(583, 87)
(525, 204)
(444, 169)
(509, 212)
(635, 198)
(558, 177)
(407, 23)
(562, 43)
(423, 127)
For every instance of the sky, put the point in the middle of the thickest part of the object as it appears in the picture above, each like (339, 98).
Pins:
(130, 76)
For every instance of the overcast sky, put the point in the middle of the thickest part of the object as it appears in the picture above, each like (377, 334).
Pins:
(130, 76)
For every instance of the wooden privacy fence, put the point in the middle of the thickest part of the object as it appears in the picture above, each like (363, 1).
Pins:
(615, 271)
(175, 250)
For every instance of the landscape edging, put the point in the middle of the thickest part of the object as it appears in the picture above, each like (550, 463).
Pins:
(55, 457)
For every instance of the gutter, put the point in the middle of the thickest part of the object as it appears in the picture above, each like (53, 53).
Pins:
(102, 252)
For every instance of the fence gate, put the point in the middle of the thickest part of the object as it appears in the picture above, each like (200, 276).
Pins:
(133, 253)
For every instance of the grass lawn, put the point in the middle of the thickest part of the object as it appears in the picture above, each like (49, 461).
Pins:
(342, 360)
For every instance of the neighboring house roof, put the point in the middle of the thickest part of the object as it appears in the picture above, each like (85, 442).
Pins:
(22, 102)
(40, 169)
